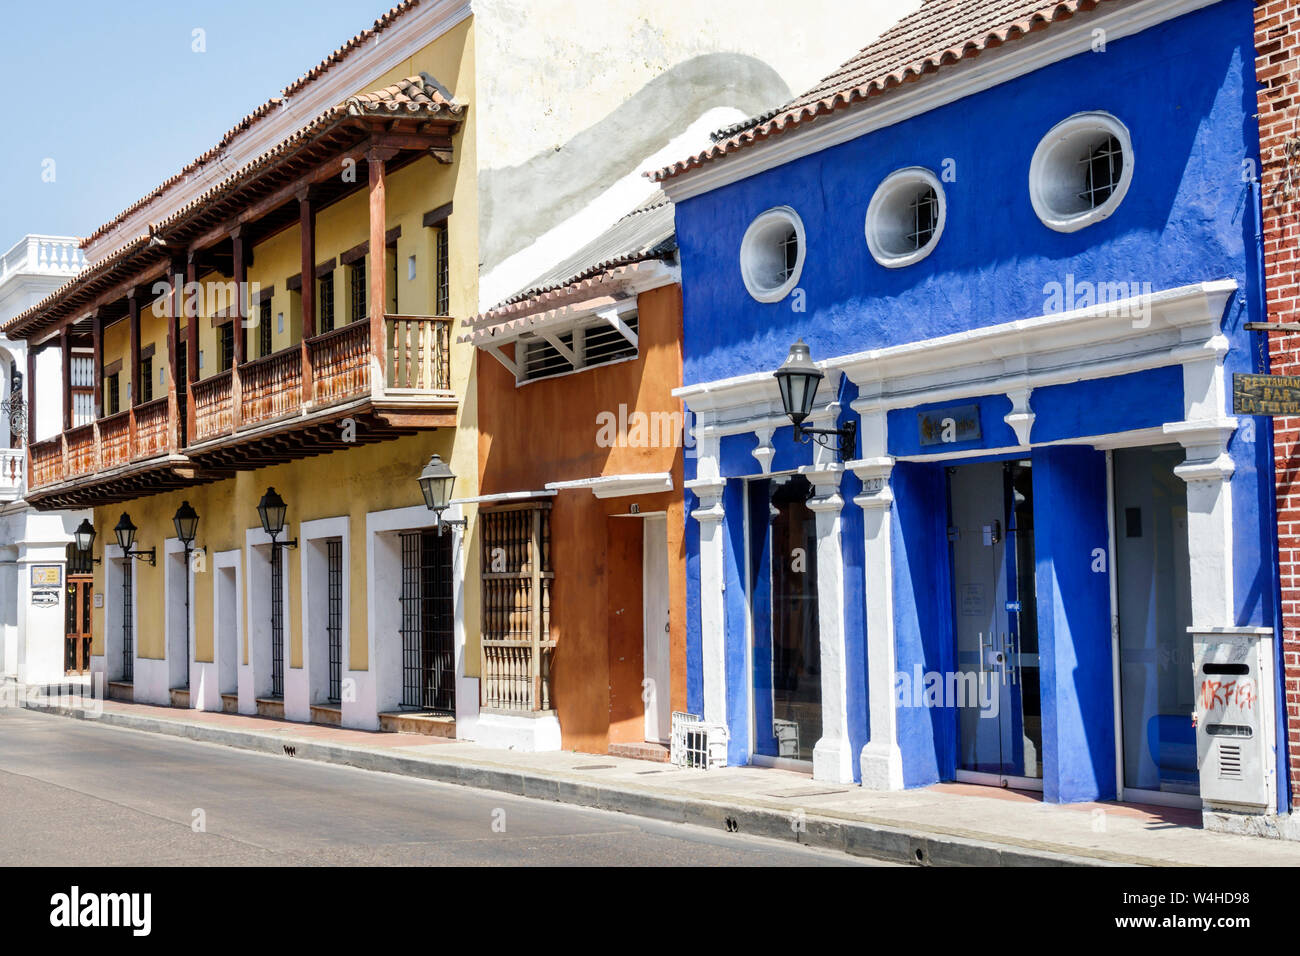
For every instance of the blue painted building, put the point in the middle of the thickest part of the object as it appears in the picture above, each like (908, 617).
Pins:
(1023, 251)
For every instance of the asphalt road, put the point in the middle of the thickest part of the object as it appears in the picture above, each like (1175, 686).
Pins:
(77, 793)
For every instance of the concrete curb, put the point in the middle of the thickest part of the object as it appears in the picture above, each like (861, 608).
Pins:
(855, 837)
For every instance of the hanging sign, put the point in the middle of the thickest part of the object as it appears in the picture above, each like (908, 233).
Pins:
(1265, 394)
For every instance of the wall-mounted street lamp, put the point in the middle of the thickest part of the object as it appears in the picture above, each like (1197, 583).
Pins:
(435, 484)
(84, 537)
(125, 532)
(272, 510)
(186, 521)
(798, 379)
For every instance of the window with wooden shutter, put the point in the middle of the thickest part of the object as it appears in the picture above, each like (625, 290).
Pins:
(516, 609)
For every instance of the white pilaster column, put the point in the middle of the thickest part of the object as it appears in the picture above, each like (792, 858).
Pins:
(1208, 473)
(713, 644)
(832, 760)
(881, 759)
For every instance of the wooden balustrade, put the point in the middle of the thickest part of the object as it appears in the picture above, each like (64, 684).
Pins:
(46, 461)
(212, 406)
(271, 386)
(419, 352)
(340, 362)
(152, 435)
(115, 440)
(82, 457)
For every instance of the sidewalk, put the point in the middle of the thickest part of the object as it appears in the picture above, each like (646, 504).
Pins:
(948, 824)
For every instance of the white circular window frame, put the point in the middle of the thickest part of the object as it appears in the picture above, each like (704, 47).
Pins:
(883, 223)
(778, 216)
(1058, 154)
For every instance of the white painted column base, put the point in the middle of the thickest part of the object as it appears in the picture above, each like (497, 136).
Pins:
(882, 766)
(832, 755)
(518, 732)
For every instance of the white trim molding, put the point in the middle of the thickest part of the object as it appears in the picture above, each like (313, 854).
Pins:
(832, 759)
(618, 486)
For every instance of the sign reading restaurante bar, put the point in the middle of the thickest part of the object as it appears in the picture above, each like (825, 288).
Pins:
(1265, 394)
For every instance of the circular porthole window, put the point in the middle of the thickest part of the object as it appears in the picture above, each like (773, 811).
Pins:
(772, 254)
(1081, 171)
(906, 217)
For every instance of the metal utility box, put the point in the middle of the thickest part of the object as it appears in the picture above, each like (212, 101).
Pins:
(1235, 717)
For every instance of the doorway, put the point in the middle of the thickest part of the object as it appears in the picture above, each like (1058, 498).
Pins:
(787, 683)
(654, 606)
(427, 623)
(995, 686)
(1154, 609)
(76, 632)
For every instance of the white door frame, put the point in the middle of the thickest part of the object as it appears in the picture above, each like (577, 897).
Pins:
(658, 717)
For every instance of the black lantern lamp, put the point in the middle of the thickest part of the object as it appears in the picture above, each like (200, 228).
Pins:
(798, 379)
(84, 537)
(186, 521)
(272, 510)
(125, 532)
(435, 484)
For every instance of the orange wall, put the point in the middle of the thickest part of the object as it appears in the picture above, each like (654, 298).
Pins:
(546, 431)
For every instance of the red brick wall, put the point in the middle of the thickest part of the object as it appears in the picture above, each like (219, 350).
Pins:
(1277, 68)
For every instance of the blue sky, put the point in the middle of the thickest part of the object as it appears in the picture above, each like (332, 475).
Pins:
(114, 94)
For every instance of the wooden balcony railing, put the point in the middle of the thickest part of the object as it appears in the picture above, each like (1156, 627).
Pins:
(46, 461)
(271, 386)
(340, 363)
(152, 436)
(81, 458)
(115, 440)
(212, 408)
(418, 364)
(419, 352)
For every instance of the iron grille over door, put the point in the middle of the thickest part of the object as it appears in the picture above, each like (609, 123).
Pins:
(277, 621)
(428, 645)
(128, 633)
(516, 622)
(334, 623)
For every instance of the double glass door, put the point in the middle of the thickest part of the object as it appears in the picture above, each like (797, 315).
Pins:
(994, 686)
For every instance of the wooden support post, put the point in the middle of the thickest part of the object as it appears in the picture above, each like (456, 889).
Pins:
(375, 158)
(133, 313)
(307, 229)
(237, 330)
(174, 346)
(191, 335)
(97, 342)
(65, 348)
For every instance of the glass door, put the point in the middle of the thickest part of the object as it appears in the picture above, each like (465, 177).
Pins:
(994, 687)
(787, 647)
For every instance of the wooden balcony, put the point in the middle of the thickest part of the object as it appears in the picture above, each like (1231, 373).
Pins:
(280, 407)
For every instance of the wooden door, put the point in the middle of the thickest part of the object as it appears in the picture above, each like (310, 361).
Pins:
(76, 638)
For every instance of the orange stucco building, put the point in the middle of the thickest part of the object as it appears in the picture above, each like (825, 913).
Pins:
(578, 426)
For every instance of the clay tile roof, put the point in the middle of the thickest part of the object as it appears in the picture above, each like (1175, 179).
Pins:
(420, 96)
(270, 106)
(939, 34)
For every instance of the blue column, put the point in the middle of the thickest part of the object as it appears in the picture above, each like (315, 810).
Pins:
(737, 617)
(1071, 543)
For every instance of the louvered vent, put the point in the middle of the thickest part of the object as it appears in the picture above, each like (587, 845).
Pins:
(1229, 762)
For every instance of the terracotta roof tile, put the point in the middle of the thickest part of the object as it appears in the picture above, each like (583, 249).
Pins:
(939, 34)
(270, 106)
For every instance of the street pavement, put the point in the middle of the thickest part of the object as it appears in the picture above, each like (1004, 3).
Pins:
(80, 793)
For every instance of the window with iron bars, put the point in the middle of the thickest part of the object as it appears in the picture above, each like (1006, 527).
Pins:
(516, 608)
(1103, 167)
(264, 344)
(146, 379)
(277, 621)
(334, 618)
(325, 302)
(427, 625)
(442, 293)
(226, 346)
(357, 290)
(924, 213)
(128, 632)
(112, 394)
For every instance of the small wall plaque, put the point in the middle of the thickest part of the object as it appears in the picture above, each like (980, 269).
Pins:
(45, 598)
(47, 575)
(946, 426)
